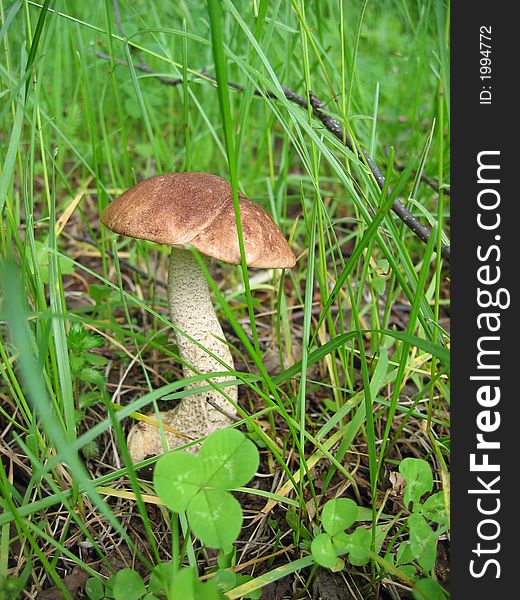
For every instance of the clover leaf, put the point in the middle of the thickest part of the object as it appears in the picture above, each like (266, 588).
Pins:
(323, 551)
(434, 509)
(419, 479)
(427, 589)
(359, 546)
(230, 459)
(423, 542)
(215, 517)
(128, 585)
(177, 478)
(200, 484)
(187, 586)
(338, 515)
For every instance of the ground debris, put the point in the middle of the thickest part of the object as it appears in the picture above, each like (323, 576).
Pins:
(73, 582)
(330, 586)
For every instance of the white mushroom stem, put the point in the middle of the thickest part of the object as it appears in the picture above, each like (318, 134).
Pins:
(192, 312)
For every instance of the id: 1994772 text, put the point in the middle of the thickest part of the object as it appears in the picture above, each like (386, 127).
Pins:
(485, 64)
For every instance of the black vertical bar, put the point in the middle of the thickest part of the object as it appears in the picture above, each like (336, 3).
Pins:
(485, 331)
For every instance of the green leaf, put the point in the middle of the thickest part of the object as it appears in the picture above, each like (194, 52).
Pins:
(66, 267)
(423, 543)
(227, 559)
(323, 551)
(132, 108)
(357, 545)
(94, 589)
(427, 589)
(198, 484)
(90, 450)
(90, 341)
(225, 579)
(98, 292)
(89, 375)
(230, 459)
(409, 571)
(292, 516)
(187, 586)
(379, 284)
(10, 587)
(293, 519)
(128, 585)
(434, 509)
(88, 398)
(338, 515)
(404, 554)
(419, 479)
(96, 359)
(215, 517)
(177, 479)
(77, 363)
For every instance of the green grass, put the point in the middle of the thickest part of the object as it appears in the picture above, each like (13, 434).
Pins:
(342, 361)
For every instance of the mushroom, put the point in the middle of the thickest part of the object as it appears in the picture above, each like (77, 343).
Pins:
(185, 211)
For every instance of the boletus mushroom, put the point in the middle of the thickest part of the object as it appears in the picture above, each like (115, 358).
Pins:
(185, 211)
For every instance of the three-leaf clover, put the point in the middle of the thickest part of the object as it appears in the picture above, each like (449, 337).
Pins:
(199, 484)
(422, 544)
(337, 516)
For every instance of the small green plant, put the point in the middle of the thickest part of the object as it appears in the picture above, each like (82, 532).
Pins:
(85, 366)
(199, 485)
(337, 516)
(226, 578)
(422, 543)
(421, 547)
(10, 587)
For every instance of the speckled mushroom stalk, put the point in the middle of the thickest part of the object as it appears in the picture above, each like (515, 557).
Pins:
(192, 312)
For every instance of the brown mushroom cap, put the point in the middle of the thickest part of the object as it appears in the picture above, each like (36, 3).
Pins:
(196, 209)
